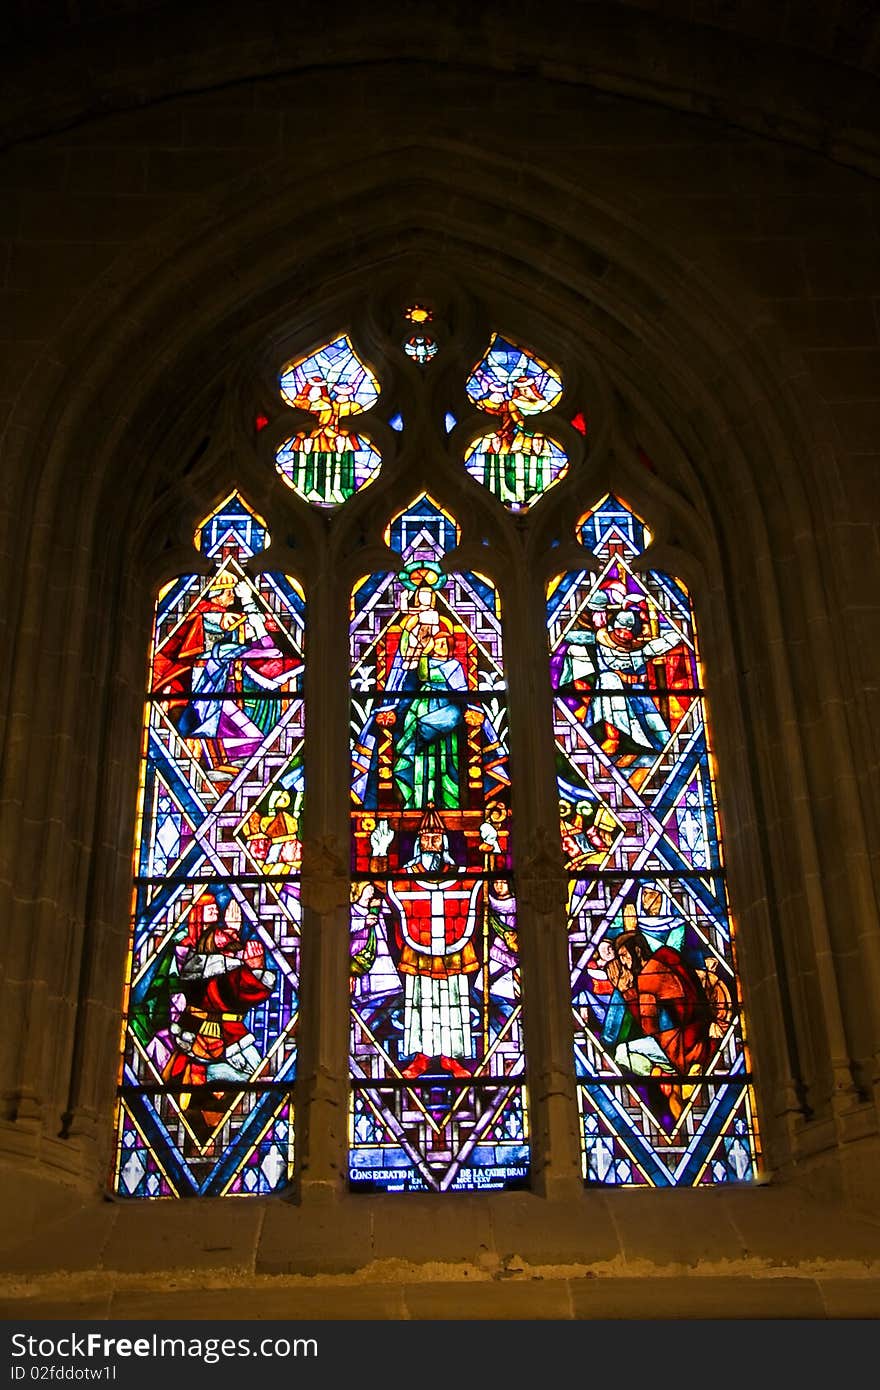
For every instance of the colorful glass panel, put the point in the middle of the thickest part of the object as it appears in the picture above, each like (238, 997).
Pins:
(421, 348)
(209, 1038)
(660, 1054)
(515, 462)
(437, 1065)
(330, 463)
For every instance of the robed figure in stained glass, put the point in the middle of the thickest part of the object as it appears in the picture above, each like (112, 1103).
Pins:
(609, 660)
(224, 657)
(437, 919)
(437, 1064)
(416, 748)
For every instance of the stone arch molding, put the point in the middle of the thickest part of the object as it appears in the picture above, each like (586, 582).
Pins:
(160, 365)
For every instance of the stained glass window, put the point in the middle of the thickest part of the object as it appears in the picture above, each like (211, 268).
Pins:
(515, 461)
(660, 1054)
(331, 462)
(209, 1044)
(438, 1093)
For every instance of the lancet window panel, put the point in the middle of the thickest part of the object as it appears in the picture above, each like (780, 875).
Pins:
(661, 1060)
(437, 1062)
(209, 1036)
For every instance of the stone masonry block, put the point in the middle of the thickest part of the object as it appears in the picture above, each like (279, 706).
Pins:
(231, 129)
(57, 265)
(106, 170)
(812, 215)
(180, 172)
(781, 1226)
(294, 1302)
(543, 1232)
(152, 127)
(88, 217)
(525, 1299)
(828, 323)
(674, 1227)
(461, 1233)
(770, 267)
(332, 1239)
(693, 1296)
(76, 1243)
(38, 1307)
(842, 267)
(847, 375)
(33, 167)
(859, 426)
(208, 1234)
(850, 1298)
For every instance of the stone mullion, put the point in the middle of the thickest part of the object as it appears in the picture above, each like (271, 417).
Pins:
(322, 1086)
(541, 891)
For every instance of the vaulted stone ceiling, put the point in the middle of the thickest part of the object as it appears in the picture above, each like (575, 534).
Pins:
(846, 31)
(799, 70)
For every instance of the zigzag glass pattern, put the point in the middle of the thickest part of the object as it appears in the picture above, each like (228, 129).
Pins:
(209, 1037)
(663, 1070)
(514, 462)
(329, 463)
(438, 1075)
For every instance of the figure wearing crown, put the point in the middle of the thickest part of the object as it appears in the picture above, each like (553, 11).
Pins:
(414, 750)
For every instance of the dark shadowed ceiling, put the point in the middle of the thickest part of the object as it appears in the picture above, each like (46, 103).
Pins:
(805, 71)
(846, 31)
